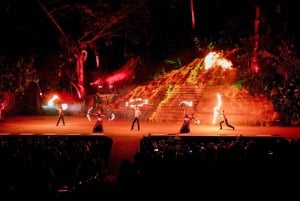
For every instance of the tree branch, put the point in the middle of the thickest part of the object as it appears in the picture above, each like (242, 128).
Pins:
(52, 19)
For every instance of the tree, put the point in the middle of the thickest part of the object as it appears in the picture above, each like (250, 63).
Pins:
(18, 78)
(88, 25)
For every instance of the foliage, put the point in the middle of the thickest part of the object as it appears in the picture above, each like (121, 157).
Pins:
(279, 68)
(17, 75)
(159, 74)
(90, 31)
(276, 53)
(99, 22)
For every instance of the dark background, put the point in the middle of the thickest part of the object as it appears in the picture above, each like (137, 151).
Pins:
(25, 27)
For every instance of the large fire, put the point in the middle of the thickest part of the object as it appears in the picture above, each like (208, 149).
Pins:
(215, 59)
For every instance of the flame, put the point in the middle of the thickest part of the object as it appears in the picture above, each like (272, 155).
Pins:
(51, 101)
(217, 108)
(136, 102)
(216, 59)
(64, 106)
(188, 103)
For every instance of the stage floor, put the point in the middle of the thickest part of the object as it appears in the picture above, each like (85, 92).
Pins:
(125, 141)
(80, 125)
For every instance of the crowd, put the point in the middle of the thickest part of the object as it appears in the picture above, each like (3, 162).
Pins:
(73, 167)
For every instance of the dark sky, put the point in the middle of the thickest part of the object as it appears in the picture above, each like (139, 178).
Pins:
(25, 25)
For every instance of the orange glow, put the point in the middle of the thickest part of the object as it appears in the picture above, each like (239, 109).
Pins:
(217, 108)
(215, 59)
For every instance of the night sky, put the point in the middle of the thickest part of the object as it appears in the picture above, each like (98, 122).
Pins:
(25, 26)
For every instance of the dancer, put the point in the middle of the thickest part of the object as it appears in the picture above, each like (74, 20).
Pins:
(225, 120)
(98, 127)
(137, 114)
(185, 128)
(60, 115)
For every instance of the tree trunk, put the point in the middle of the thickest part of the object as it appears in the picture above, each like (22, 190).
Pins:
(254, 64)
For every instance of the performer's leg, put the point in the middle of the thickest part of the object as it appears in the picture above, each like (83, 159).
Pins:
(221, 122)
(58, 121)
(101, 126)
(133, 122)
(95, 127)
(138, 123)
(98, 127)
(227, 124)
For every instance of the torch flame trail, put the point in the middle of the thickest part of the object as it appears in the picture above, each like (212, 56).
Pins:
(217, 108)
(51, 101)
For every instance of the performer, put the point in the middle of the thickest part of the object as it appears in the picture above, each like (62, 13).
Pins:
(225, 120)
(98, 127)
(60, 115)
(137, 114)
(185, 128)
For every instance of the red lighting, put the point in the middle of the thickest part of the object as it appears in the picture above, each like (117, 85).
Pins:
(254, 65)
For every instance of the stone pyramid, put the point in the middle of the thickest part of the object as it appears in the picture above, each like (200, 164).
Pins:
(196, 90)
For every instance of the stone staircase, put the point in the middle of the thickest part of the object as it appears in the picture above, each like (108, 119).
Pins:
(194, 84)
(172, 110)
